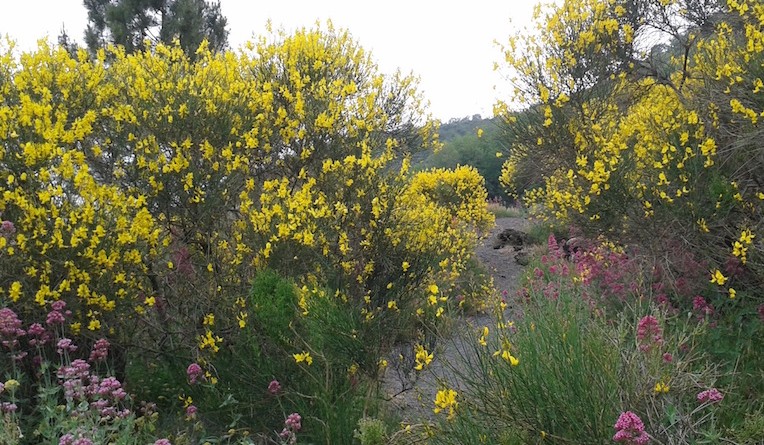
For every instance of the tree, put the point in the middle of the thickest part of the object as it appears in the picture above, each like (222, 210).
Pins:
(131, 23)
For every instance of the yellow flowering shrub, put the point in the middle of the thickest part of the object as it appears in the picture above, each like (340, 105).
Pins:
(147, 190)
(643, 145)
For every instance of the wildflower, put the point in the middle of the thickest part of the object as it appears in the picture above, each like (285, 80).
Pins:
(630, 430)
(482, 340)
(194, 373)
(668, 358)
(710, 396)
(12, 384)
(10, 327)
(65, 345)
(445, 399)
(649, 332)
(8, 407)
(422, 357)
(718, 278)
(509, 358)
(700, 305)
(100, 350)
(7, 228)
(733, 293)
(661, 387)
(303, 357)
(54, 318)
(2, 387)
(274, 387)
(162, 442)
(191, 412)
(66, 439)
(293, 422)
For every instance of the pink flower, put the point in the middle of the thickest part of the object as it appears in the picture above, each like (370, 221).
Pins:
(293, 422)
(7, 228)
(630, 430)
(191, 411)
(668, 358)
(194, 373)
(710, 396)
(100, 350)
(10, 325)
(65, 345)
(162, 442)
(649, 332)
(274, 387)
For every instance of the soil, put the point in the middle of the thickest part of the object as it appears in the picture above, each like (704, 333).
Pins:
(411, 393)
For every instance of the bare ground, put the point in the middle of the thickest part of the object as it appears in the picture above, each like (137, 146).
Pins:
(411, 394)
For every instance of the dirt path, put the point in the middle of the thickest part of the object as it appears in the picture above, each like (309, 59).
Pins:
(411, 396)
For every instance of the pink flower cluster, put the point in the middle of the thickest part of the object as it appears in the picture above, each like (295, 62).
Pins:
(194, 373)
(710, 396)
(7, 229)
(649, 333)
(58, 314)
(10, 328)
(103, 395)
(274, 387)
(630, 430)
(292, 425)
(69, 439)
(100, 351)
(8, 407)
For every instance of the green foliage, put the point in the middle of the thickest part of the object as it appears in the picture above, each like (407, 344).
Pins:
(130, 23)
(569, 365)
(274, 304)
(371, 432)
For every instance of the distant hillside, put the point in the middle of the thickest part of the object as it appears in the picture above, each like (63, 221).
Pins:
(462, 146)
(458, 127)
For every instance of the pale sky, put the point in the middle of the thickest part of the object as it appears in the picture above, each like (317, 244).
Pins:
(449, 45)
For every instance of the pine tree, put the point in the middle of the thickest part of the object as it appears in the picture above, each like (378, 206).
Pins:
(132, 23)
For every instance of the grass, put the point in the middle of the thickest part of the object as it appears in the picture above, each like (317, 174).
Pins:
(500, 210)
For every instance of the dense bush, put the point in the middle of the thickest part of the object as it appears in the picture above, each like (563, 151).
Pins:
(147, 191)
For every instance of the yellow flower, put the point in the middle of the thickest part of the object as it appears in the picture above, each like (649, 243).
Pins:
(509, 358)
(303, 357)
(733, 293)
(150, 301)
(718, 278)
(445, 399)
(405, 266)
(12, 384)
(422, 357)
(433, 288)
(661, 387)
(483, 338)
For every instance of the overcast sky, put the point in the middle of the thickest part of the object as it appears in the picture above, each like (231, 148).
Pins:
(449, 45)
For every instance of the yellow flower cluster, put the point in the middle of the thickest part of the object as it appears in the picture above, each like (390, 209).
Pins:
(445, 400)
